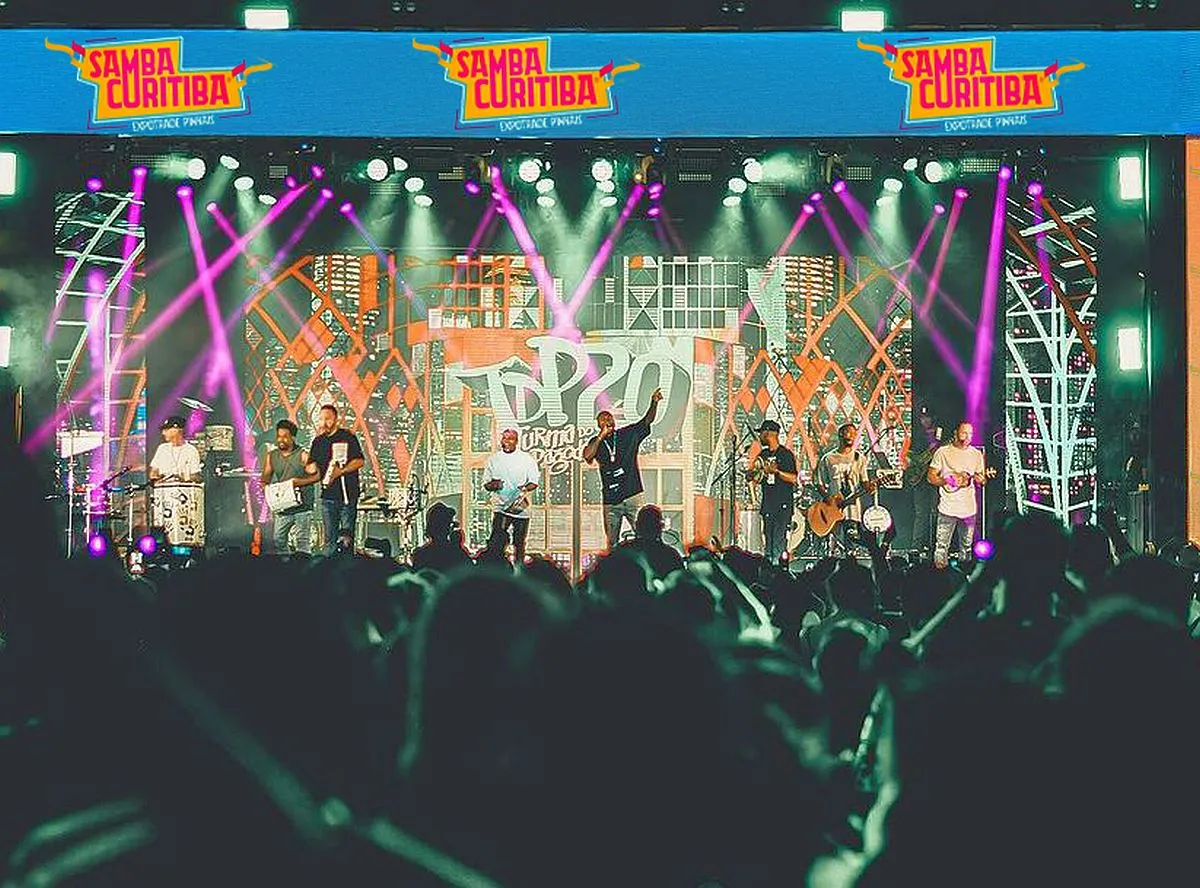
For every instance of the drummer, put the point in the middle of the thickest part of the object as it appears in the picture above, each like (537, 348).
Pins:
(175, 459)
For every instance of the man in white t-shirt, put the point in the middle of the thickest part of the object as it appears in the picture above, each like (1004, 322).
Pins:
(175, 459)
(956, 470)
(511, 476)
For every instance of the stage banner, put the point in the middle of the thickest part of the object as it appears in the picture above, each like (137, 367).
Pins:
(578, 85)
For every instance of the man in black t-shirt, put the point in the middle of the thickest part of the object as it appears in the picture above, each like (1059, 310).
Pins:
(336, 456)
(615, 451)
(774, 470)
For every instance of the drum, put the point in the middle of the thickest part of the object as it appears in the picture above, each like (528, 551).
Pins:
(281, 496)
(796, 531)
(876, 519)
(178, 508)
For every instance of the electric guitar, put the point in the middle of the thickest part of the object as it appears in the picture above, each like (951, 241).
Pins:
(824, 515)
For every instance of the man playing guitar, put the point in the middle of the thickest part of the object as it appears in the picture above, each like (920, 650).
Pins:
(841, 476)
(510, 476)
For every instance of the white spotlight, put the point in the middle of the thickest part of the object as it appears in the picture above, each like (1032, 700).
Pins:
(529, 169)
(196, 168)
(910, 165)
(229, 162)
(892, 185)
(267, 200)
(545, 200)
(863, 20)
(737, 185)
(752, 170)
(377, 169)
(732, 200)
(399, 164)
(608, 201)
(602, 170)
(545, 186)
(267, 19)
(608, 186)
(8, 173)
(934, 172)
(413, 184)
(243, 183)
(423, 200)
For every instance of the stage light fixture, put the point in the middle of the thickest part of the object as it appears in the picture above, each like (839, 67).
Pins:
(267, 200)
(654, 211)
(423, 200)
(815, 197)
(98, 545)
(471, 186)
(318, 171)
(809, 209)
(602, 170)
(939, 209)
(267, 18)
(752, 170)
(529, 169)
(147, 544)
(399, 164)
(961, 193)
(243, 183)
(732, 200)
(1129, 349)
(884, 199)
(211, 206)
(346, 209)
(655, 191)
(910, 165)
(892, 185)
(608, 201)
(327, 193)
(857, 20)
(377, 169)
(1034, 189)
(737, 185)
(546, 200)
(839, 186)
(1129, 177)
(229, 161)
(5, 346)
(934, 172)
(196, 168)
(183, 191)
(1005, 173)
(608, 186)
(290, 181)
(413, 184)
(545, 186)
(983, 550)
(8, 173)
(94, 185)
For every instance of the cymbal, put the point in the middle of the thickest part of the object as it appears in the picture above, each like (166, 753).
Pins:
(196, 404)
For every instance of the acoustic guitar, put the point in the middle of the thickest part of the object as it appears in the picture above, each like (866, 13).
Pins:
(825, 515)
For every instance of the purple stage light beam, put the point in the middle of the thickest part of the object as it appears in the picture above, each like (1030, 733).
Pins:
(45, 432)
(567, 321)
(537, 264)
(902, 283)
(943, 250)
(981, 370)
(221, 370)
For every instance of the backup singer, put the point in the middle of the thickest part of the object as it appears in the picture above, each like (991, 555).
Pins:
(175, 459)
(774, 469)
(511, 476)
(288, 462)
(336, 457)
(616, 452)
(956, 470)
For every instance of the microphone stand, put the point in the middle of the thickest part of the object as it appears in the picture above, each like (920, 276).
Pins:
(728, 474)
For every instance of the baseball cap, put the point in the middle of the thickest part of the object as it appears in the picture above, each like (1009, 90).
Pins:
(173, 422)
(768, 425)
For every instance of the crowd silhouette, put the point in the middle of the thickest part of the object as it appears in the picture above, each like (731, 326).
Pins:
(668, 720)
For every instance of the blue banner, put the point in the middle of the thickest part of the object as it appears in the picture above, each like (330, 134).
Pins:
(578, 85)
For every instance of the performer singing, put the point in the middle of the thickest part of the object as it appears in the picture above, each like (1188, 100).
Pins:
(774, 469)
(175, 459)
(956, 470)
(511, 475)
(287, 462)
(843, 472)
(616, 452)
(336, 457)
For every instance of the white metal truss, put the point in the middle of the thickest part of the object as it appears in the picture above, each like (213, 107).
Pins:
(1050, 366)
(93, 326)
